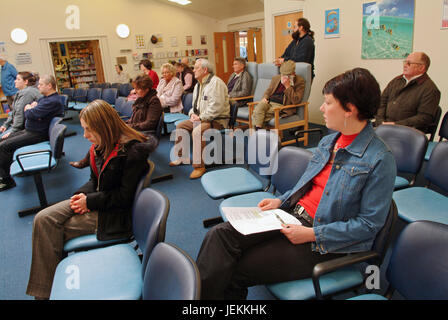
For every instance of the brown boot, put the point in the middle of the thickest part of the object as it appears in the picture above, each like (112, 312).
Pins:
(197, 173)
(80, 164)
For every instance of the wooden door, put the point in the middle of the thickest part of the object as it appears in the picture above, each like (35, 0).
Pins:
(224, 54)
(284, 25)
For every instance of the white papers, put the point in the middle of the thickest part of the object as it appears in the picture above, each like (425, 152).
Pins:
(248, 220)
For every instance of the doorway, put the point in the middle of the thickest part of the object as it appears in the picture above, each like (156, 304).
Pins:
(77, 64)
(283, 26)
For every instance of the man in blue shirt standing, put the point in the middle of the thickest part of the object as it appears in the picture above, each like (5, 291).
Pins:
(38, 116)
(9, 74)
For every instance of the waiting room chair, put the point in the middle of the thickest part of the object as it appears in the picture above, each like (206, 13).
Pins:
(168, 118)
(300, 119)
(171, 274)
(443, 134)
(418, 266)
(92, 94)
(224, 183)
(125, 89)
(116, 272)
(420, 203)
(79, 95)
(408, 145)
(115, 85)
(432, 128)
(158, 134)
(90, 241)
(104, 85)
(124, 108)
(69, 92)
(292, 162)
(35, 161)
(110, 95)
(265, 73)
(340, 274)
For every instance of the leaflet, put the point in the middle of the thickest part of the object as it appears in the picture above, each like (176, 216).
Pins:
(248, 220)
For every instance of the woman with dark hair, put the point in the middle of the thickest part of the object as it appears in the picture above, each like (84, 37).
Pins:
(102, 206)
(301, 48)
(146, 112)
(146, 67)
(186, 75)
(342, 201)
(27, 93)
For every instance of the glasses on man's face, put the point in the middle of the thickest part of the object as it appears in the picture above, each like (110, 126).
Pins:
(408, 63)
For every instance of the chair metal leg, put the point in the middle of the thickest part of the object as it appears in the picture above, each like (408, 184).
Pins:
(162, 177)
(42, 197)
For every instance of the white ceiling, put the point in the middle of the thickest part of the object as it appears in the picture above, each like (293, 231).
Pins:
(221, 9)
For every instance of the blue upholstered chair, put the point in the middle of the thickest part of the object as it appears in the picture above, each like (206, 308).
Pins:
(69, 92)
(443, 134)
(408, 146)
(265, 72)
(224, 183)
(109, 95)
(419, 203)
(292, 162)
(35, 159)
(341, 274)
(418, 266)
(124, 108)
(116, 272)
(92, 94)
(125, 89)
(168, 118)
(79, 95)
(90, 241)
(171, 274)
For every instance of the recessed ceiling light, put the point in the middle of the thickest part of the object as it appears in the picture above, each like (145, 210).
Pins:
(123, 31)
(182, 2)
(19, 35)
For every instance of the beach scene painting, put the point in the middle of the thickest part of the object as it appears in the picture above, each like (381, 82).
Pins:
(387, 29)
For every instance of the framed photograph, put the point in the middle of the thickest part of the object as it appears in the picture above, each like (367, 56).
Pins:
(173, 41)
(140, 42)
(203, 40)
(332, 23)
(189, 40)
(387, 29)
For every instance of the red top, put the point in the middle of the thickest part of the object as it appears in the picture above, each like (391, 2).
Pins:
(310, 201)
(154, 77)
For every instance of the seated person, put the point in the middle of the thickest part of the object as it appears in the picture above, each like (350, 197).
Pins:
(102, 206)
(411, 99)
(186, 75)
(146, 112)
(285, 89)
(210, 109)
(240, 81)
(340, 212)
(146, 67)
(121, 76)
(27, 94)
(170, 89)
(38, 116)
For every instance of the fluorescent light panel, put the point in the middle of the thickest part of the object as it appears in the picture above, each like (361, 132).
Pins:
(182, 2)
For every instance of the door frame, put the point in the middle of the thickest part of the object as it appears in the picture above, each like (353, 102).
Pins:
(104, 48)
(281, 13)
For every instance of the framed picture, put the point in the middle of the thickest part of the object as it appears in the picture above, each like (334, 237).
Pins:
(203, 40)
(140, 42)
(189, 40)
(332, 23)
(387, 29)
(445, 14)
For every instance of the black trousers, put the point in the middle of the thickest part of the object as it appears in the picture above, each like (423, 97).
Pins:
(15, 141)
(230, 262)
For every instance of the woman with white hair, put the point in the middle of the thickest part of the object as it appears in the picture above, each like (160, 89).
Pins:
(170, 89)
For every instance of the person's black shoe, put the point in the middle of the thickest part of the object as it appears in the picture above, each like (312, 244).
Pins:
(7, 183)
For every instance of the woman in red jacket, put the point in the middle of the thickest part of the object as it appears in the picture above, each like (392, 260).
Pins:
(146, 67)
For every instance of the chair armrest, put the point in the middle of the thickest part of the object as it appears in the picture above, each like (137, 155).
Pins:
(300, 132)
(280, 108)
(331, 265)
(241, 98)
(21, 155)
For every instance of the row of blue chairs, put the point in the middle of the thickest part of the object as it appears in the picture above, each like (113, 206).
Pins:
(106, 85)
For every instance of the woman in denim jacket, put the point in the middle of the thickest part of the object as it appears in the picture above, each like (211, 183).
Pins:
(342, 201)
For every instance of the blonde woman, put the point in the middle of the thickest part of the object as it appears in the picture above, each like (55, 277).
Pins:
(170, 89)
(102, 206)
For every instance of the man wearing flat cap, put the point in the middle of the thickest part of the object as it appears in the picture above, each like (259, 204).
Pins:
(285, 89)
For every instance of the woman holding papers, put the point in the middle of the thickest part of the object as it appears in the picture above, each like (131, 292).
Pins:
(342, 201)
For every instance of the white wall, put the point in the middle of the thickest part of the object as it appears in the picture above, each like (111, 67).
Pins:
(334, 56)
(46, 19)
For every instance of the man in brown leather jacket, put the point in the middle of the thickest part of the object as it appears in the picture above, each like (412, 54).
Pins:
(411, 99)
(285, 89)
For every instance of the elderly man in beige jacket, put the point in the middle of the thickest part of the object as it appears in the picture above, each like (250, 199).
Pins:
(210, 109)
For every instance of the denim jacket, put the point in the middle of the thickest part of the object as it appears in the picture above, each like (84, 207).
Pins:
(357, 196)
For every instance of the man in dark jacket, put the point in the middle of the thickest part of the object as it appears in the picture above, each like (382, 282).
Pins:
(38, 116)
(411, 99)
